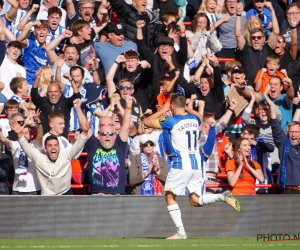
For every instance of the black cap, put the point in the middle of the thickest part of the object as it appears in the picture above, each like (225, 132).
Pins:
(116, 28)
(237, 69)
(165, 40)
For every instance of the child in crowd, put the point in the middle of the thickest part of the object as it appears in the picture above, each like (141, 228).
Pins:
(167, 88)
(19, 87)
(11, 107)
(264, 75)
(263, 13)
(45, 80)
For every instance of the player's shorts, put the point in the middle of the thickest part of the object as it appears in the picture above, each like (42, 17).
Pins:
(192, 179)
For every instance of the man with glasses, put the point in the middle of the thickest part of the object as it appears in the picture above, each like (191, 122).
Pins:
(288, 147)
(291, 24)
(254, 57)
(107, 154)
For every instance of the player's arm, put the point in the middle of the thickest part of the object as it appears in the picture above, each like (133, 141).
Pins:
(152, 121)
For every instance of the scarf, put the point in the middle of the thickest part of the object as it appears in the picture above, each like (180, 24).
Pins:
(151, 185)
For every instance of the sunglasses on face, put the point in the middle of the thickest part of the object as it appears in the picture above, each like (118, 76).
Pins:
(125, 87)
(21, 123)
(148, 143)
(256, 37)
(106, 133)
(280, 40)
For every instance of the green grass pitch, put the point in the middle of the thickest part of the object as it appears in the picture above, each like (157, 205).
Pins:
(141, 243)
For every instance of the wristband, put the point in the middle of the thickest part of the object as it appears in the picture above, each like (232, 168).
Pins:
(71, 80)
(231, 110)
(202, 65)
(128, 108)
(182, 32)
(238, 14)
(117, 62)
(38, 123)
(293, 27)
(111, 110)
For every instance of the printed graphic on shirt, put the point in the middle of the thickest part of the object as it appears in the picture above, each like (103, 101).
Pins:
(106, 168)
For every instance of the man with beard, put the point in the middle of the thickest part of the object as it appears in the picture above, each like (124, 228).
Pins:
(107, 154)
(53, 168)
(70, 57)
(254, 57)
(54, 102)
(34, 52)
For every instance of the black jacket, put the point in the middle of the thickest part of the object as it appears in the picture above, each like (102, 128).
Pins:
(63, 106)
(128, 16)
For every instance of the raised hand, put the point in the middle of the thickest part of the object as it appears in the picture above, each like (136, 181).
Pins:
(239, 8)
(233, 103)
(140, 24)
(121, 59)
(144, 64)
(67, 33)
(211, 121)
(35, 7)
(129, 100)
(77, 103)
(60, 61)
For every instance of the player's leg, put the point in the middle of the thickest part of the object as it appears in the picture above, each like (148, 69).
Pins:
(198, 197)
(174, 186)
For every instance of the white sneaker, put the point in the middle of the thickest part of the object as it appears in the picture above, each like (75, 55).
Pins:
(178, 236)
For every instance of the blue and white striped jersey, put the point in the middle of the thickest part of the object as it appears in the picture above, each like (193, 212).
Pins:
(184, 138)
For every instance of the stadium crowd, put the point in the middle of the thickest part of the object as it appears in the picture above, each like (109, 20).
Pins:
(113, 73)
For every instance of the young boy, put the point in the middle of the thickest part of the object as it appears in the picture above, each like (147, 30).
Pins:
(263, 13)
(167, 88)
(11, 107)
(19, 87)
(264, 75)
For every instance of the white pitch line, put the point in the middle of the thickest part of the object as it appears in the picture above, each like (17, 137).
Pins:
(151, 246)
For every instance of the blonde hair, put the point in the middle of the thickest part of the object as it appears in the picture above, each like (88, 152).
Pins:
(249, 25)
(202, 7)
(43, 80)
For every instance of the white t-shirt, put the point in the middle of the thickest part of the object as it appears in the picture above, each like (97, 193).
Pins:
(8, 71)
(4, 126)
(25, 171)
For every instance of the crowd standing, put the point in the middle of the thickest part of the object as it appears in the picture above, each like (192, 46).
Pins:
(149, 99)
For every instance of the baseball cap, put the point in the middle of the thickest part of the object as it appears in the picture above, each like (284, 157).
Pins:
(237, 69)
(116, 28)
(145, 138)
(165, 40)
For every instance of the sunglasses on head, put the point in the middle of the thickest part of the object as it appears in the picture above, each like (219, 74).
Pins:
(256, 37)
(148, 142)
(125, 87)
(106, 133)
(20, 123)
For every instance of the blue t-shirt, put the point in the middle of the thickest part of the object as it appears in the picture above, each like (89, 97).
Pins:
(286, 111)
(34, 57)
(265, 17)
(107, 167)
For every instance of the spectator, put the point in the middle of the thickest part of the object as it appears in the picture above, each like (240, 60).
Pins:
(263, 76)
(43, 12)
(54, 167)
(4, 166)
(262, 13)
(165, 48)
(254, 57)
(128, 15)
(34, 53)
(11, 107)
(167, 89)
(288, 147)
(139, 72)
(10, 68)
(108, 51)
(25, 179)
(70, 56)
(291, 23)
(55, 102)
(284, 54)
(44, 80)
(107, 154)
(226, 29)
(19, 87)
(148, 172)
(251, 23)
(241, 171)
(200, 37)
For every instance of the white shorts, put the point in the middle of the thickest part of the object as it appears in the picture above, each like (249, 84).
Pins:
(178, 180)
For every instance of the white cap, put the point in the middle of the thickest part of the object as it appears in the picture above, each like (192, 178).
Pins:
(145, 138)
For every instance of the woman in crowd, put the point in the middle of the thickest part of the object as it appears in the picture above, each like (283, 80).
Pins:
(226, 29)
(252, 22)
(45, 80)
(148, 172)
(241, 171)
